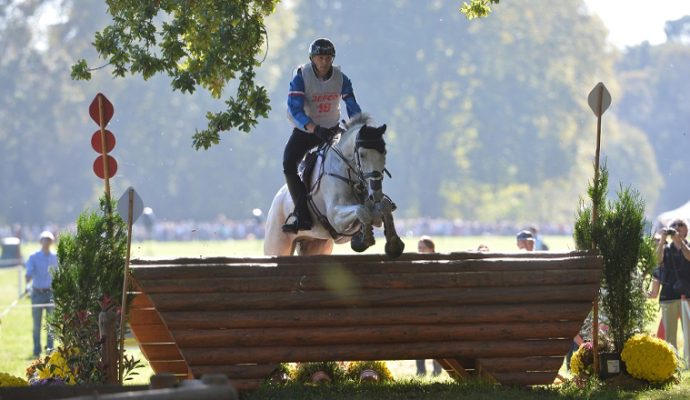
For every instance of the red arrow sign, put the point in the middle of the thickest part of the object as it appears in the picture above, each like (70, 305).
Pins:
(98, 167)
(109, 141)
(108, 109)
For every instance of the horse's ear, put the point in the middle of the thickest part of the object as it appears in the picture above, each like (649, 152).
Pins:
(381, 129)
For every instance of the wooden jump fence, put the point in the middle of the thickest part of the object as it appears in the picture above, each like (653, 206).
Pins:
(506, 317)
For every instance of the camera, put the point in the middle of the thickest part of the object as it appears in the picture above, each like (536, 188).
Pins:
(669, 231)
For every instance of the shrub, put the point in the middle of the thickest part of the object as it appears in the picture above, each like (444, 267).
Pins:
(7, 380)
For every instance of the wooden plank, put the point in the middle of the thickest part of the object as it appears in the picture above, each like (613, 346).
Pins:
(453, 368)
(173, 367)
(575, 292)
(150, 334)
(373, 334)
(379, 351)
(176, 320)
(144, 317)
(349, 282)
(525, 378)
(526, 364)
(242, 371)
(162, 352)
(140, 302)
(143, 273)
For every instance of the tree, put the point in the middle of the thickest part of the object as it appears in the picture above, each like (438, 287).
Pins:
(205, 43)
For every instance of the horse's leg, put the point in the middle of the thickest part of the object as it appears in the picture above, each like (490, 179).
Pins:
(312, 247)
(394, 246)
(344, 217)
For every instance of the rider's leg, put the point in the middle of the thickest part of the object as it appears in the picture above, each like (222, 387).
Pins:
(297, 146)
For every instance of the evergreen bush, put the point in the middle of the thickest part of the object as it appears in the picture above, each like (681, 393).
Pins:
(627, 255)
(88, 281)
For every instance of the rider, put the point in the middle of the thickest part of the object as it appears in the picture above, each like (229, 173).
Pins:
(314, 109)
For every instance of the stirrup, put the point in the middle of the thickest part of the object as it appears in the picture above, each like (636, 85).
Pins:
(297, 225)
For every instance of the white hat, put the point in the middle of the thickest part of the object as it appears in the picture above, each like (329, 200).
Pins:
(46, 235)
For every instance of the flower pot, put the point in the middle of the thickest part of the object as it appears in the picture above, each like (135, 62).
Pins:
(320, 377)
(369, 375)
(610, 365)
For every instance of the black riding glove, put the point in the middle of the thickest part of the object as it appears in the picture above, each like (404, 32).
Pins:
(324, 134)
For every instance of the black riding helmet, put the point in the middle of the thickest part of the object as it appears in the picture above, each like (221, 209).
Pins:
(320, 47)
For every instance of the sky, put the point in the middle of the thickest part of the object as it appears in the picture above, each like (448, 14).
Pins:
(631, 22)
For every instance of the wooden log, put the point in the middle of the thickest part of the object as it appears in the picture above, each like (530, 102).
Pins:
(162, 352)
(361, 258)
(418, 280)
(531, 364)
(151, 334)
(525, 378)
(575, 292)
(242, 371)
(376, 316)
(373, 334)
(173, 367)
(142, 273)
(379, 351)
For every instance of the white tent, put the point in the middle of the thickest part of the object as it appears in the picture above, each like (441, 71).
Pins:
(665, 218)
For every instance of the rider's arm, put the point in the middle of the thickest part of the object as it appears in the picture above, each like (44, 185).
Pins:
(349, 98)
(295, 102)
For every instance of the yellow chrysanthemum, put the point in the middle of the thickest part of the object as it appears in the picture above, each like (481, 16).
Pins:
(7, 380)
(649, 358)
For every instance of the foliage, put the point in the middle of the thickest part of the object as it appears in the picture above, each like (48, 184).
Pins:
(618, 235)
(304, 371)
(477, 8)
(87, 282)
(650, 358)
(203, 43)
(7, 380)
(355, 369)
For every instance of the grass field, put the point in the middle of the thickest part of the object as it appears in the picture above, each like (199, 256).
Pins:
(15, 329)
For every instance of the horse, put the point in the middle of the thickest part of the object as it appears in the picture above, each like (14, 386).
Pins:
(346, 198)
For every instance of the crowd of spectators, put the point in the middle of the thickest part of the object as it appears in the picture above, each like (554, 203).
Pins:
(223, 228)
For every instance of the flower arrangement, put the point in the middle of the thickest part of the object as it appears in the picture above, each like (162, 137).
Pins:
(316, 372)
(582, 360)
(355, 369)
(7, 380)
(53, 368)
(649, 358)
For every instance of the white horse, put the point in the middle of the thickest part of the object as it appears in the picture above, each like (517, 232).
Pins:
(346, 200)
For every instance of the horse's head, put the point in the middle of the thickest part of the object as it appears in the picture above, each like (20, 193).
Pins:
(370, 156)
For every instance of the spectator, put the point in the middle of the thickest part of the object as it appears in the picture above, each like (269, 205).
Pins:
(525, 241)
(426, 245)
(39, 268)
(539, 244)
(675, 265)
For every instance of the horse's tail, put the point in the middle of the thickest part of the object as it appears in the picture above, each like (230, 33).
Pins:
(277, 243)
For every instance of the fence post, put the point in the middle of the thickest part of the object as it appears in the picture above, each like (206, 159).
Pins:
(107, 322)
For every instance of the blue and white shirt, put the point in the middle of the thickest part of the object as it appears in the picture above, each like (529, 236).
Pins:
(311, 99)
(39, 267)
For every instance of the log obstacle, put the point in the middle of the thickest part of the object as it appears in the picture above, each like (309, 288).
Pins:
(506, 317)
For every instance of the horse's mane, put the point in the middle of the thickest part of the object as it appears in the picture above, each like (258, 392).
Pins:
(351, 125)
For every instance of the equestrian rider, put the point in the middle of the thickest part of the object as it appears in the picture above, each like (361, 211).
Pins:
(314, 109)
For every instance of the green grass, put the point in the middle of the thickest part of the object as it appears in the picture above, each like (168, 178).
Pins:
(16, 345)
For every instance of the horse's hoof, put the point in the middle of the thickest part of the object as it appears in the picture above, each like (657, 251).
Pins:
(394, 247)
(357, 244)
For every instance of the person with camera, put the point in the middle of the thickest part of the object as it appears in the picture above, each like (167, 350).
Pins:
(674, 276)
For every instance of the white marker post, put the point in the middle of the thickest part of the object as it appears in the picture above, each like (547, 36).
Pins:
(599, 100)
(130, 204)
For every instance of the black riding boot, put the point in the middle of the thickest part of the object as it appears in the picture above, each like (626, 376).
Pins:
(302, 218)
